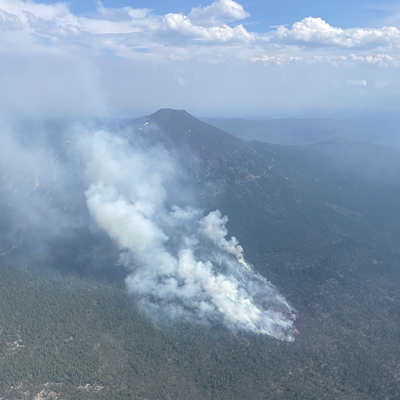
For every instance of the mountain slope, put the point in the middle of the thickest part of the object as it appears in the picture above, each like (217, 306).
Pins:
(310, 220)
(296, 131)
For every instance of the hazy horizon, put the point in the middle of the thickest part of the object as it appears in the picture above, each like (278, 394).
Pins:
(221, 58)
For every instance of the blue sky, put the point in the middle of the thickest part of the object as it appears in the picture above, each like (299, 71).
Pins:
(217, 57)
(344, 13)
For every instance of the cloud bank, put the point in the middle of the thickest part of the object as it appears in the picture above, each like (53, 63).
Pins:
(182, 264)
(127, 27)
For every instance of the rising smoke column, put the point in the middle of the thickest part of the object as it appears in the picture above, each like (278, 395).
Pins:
(180, 262)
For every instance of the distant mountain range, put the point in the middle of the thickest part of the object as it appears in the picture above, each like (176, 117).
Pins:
(291, 131)
(320, 221)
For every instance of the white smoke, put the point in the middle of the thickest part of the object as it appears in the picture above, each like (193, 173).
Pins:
(181, 263)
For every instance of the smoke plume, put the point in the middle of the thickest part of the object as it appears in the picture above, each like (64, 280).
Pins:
(181, 263)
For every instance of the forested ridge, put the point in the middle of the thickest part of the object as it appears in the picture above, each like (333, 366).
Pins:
(82, 339)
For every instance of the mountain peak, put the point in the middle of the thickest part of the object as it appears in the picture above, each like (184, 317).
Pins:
(178, 127)
(169, 111)
(169, 114)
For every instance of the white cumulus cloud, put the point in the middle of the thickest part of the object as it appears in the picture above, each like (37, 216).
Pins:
(218, 12)
(381, 60)
(183, 25)
(122, 30)
(9, 21)
(274, 60)
(318, 32)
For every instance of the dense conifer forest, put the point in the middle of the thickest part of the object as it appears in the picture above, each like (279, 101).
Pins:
(313, 219)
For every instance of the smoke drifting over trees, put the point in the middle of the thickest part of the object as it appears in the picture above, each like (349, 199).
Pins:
(181, 263)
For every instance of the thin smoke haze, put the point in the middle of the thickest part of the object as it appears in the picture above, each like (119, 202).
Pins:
(181, 263)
